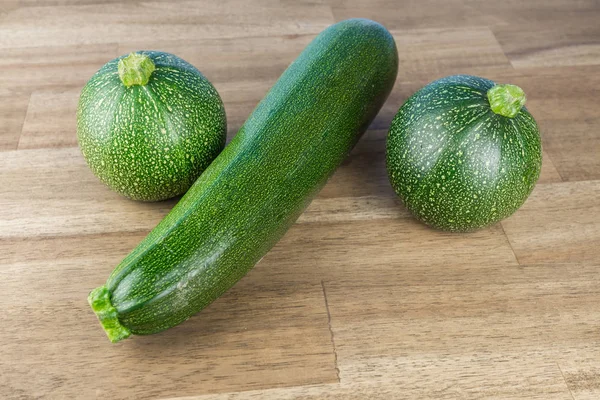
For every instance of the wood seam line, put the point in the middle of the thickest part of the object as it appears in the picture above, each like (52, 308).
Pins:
(23, 123)
(506, 56)
(565, 379)
(562, 178)
(335, 356)
(510, 244)
(560, 175)
(331, 14)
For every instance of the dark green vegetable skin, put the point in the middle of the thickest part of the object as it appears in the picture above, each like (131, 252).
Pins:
(258, 186)
(458, 162)
(151, 139)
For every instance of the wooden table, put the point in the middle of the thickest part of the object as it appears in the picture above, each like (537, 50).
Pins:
(358, 301)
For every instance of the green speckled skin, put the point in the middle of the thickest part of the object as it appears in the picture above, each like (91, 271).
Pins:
(258, 186)
(151, 142)
(456, 164)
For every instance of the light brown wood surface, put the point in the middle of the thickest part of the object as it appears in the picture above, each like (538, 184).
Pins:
(358, 301)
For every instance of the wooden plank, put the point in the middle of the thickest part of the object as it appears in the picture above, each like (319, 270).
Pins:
(428, 54)
(510, 320)
(259, 335)
(8, 5)
(13, 107)
(94, 24)
(51, 115)
(65, 198)
(531, 37)
(558, 223)
(574, 146)
(54, 3)
(521, 12)
(391, 251)
(51, 119)
(496, 332)
(384, 389)
(381, 391)
(33, 68)
(412, 14)
(444, 319)
(560, 55)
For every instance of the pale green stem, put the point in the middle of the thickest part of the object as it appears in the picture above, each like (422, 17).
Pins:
(99, 300)
(506, 100)
(135, 69)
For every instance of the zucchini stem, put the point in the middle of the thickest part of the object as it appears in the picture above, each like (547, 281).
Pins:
(135, 69)
(506, 100)
(99, 300)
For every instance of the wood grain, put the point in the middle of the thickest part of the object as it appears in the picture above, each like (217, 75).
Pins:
(574, 42)
(50, 119)
(570, 218)
(102, 23)
(358, 300)
(444, 51)
(13, 107)
(413, 14)
(57, 65)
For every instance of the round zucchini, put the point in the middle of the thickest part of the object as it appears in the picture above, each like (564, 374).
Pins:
(148, 124)
(463, 153)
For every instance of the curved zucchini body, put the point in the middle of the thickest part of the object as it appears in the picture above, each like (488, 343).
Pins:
(258, 186)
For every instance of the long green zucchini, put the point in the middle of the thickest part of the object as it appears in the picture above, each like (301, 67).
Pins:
(258, 186)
